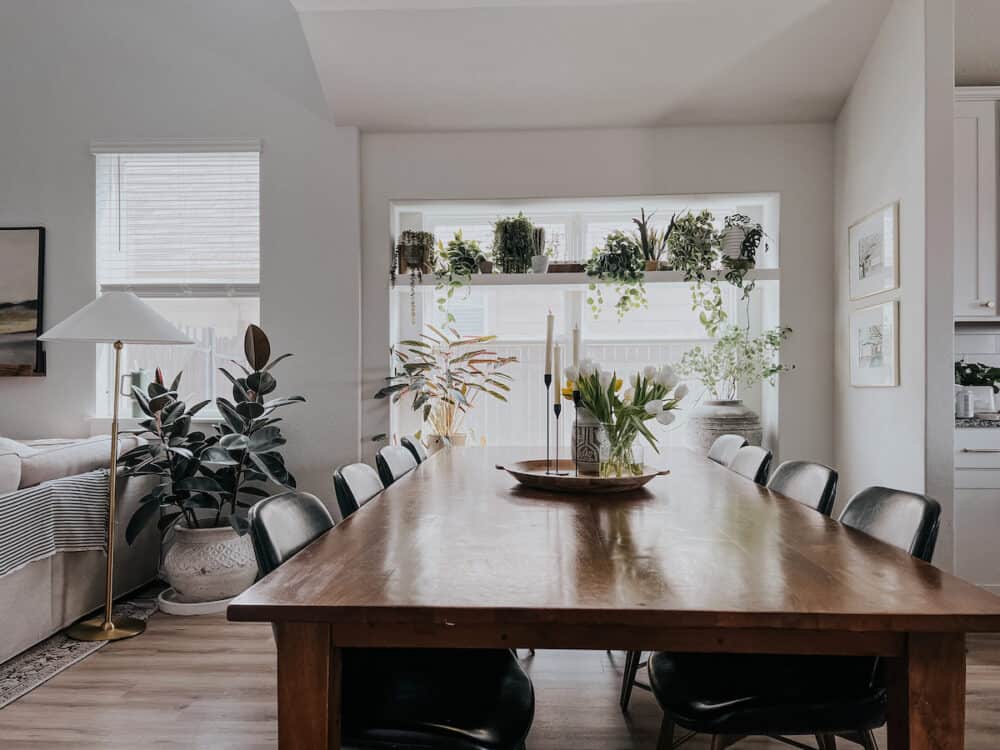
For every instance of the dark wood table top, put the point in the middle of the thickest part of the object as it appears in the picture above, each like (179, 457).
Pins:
(700, 548)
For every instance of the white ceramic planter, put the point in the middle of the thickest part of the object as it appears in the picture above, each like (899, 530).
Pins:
(710, 419)
(539, 263)
(732, 242)
(205, 565)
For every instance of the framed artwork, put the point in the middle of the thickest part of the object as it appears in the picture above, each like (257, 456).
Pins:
(22, 270)
(874, 252)
(875, 346)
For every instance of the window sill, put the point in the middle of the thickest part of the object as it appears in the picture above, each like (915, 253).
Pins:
(102, 425)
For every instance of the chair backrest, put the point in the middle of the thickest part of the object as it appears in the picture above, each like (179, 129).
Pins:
(903, 519)
(725, 447)
(753, 462)
(806, 482)
(355, 485)
(414, 446)
(283, 524)
(393, 461)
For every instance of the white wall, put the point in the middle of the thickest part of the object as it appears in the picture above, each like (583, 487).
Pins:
(795, 161)
(73, 72)
(889, 139)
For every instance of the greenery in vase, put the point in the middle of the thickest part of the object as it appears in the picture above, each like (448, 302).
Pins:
(736, 268)
(445, 375)
(462, 259)
(513, 243)
(652, 242)
(694, 250)
(619, 262)
(976, 373)
(653, 393)
(736, 359)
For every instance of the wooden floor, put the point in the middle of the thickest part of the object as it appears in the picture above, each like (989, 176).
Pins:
(206, 683)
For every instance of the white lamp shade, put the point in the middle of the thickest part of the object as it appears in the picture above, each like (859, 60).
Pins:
(117, 316)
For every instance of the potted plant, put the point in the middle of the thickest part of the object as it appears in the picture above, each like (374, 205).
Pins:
(413, 255)
(654, 393)
(736, 359)
(462, 258)
(693, 245)
(619, 263)
(652, 241)
(445, 376)
(513, 244)
(207, 483)
(981, 380)
(540, 256)
(739, 242)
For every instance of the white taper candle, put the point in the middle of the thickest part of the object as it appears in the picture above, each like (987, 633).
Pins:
(550, 324)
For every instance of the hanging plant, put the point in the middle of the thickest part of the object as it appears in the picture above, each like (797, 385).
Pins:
(415, 256)
(513, 243)
(619, 263)
(462, 258)
(694, 250)
(739, 242)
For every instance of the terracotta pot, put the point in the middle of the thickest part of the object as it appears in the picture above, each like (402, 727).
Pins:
(710, 419)
(486, 266)
(652, 265)
(205, 565)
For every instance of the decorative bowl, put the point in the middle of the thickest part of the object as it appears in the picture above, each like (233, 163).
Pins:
(533, 474)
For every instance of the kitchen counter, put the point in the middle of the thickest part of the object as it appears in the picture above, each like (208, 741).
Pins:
(976, 422)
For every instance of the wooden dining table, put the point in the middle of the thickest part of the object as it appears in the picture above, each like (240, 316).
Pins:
(458, 554)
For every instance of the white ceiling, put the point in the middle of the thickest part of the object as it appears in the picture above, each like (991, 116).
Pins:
(977, 50)
(398, 65)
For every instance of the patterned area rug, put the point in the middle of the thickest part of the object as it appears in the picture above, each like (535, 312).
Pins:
(42, 662)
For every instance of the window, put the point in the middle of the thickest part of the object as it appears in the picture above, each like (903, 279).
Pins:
(515, 313)
(182, 231)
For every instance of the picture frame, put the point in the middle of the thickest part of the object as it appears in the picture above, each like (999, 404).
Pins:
(873, 249)
(22, 286)
(874, 349)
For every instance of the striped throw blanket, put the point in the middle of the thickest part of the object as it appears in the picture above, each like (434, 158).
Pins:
(64, 515)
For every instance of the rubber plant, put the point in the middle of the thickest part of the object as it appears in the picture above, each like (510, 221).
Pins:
(246, 455)
(462, 258)
(619, 263)
(694, 250)
(173, 452)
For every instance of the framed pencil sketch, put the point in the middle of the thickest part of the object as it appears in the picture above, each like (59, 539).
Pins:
(22, 270)
(875, 346)
(874, 252)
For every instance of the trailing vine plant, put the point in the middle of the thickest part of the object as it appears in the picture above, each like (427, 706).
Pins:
(462, 258)
(694, 249)
(620, 263)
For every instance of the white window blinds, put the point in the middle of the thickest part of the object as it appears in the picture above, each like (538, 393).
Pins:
(179, 223)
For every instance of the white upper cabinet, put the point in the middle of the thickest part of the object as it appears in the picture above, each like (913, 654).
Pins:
(976, 174)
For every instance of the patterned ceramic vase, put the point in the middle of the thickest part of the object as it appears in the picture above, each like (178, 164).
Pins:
(710, 419)
(585, 442)
(206, 565)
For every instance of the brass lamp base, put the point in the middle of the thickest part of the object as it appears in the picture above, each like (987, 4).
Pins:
(96, 629)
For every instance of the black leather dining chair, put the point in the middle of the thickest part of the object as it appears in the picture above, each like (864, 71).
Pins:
(753, 462)
(414, 446)
(393, 462)
(735, 695)
(806, 482)
(725, 447)
(355, 485)
(455, 699)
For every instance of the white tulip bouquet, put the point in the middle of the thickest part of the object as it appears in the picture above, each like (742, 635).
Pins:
(653, 393)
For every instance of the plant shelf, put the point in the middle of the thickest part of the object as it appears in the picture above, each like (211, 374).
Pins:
(569, 279)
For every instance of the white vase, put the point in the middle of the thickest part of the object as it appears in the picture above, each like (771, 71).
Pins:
(711, 419)
(539, 263)
(206, 565)
(585, 442)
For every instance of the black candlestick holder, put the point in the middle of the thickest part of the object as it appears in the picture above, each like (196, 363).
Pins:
(557, 410)
(577, 400)
(547, 379)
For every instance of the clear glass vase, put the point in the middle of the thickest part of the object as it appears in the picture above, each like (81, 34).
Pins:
(621, 454)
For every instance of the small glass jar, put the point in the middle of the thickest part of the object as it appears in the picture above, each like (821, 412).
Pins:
(621, 455)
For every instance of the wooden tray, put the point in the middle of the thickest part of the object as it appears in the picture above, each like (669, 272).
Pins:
(532, 474)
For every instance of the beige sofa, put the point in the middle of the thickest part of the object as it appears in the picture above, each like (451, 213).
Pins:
(46, 595)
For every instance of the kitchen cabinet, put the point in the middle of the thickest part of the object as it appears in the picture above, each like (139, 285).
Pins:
(976, 176)
(977, 506)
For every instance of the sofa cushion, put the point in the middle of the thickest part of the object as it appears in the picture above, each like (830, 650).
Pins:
(8, 446)
(53, 459)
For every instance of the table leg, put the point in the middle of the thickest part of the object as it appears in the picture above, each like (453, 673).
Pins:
(309, 672)
(927, 694)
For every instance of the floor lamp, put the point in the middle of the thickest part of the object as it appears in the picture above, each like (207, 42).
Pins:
(115, 318)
